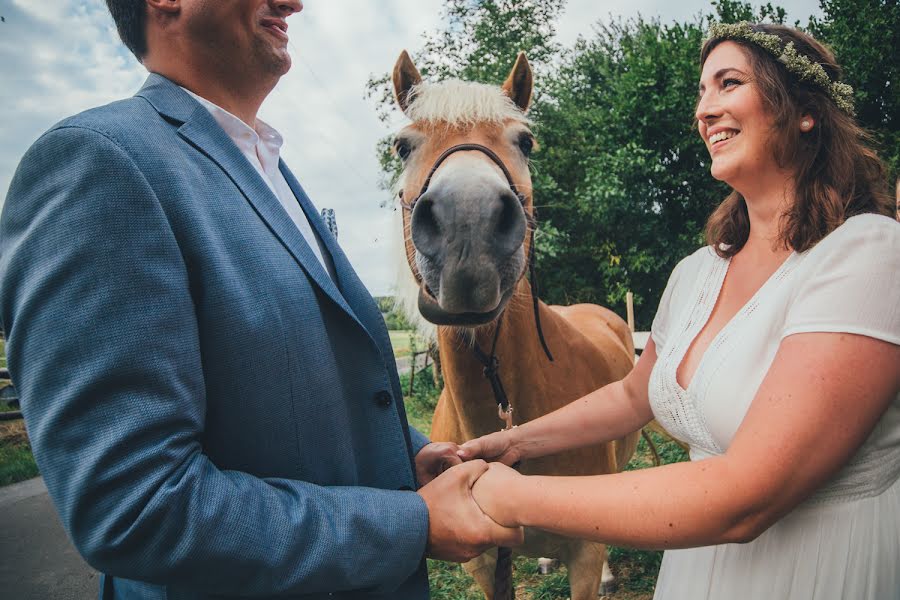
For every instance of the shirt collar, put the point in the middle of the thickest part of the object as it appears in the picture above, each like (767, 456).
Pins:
(263, 140)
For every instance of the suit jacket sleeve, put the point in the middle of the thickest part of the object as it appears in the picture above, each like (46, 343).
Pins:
(419, 441)
(102, 343)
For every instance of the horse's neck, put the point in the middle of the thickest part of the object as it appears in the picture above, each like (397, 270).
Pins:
(522, 366)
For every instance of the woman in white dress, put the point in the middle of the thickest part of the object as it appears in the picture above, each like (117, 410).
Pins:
(775, 354)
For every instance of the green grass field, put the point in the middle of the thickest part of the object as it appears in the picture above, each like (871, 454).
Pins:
(402, 341)
(635, 570)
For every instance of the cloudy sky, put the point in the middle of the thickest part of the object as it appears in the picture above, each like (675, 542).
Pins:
(63, 56)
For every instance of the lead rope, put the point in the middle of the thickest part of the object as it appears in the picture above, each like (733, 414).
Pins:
(503, 588)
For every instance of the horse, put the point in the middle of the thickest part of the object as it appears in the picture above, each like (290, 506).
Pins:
(467, 225)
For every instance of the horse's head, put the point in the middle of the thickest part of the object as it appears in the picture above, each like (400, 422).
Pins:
(466, 191)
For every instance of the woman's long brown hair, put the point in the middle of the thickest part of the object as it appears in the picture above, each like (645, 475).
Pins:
(838, 175)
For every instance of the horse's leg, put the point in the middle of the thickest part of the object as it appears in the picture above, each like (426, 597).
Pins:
(585, 561)
(547, 565)
(481, 568)
(607, 580)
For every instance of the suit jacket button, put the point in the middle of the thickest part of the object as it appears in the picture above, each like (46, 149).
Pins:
(383, 398)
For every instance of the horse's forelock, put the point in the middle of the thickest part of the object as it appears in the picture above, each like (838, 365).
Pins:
(458, 103)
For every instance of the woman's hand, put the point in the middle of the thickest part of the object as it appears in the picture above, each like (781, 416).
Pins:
(499, 447)
(435, 458)
(493, 494)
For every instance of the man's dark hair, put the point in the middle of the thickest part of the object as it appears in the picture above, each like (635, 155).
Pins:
(131, 22)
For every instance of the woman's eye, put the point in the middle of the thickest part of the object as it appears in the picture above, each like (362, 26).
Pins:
(526, 145)
(730, 83)
(402, 148)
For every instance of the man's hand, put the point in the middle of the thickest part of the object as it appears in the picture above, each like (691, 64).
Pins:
(497, 446)
(458, 530)
(435, 458)
(493, 492)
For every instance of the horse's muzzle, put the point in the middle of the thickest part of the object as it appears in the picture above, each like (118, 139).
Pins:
(433, 313)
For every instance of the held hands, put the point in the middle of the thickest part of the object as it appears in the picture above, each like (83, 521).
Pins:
(435, 458)
(458, 530)
(499, 447)
(493, 492)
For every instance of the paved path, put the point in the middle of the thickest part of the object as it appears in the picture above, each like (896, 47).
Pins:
(37, 560)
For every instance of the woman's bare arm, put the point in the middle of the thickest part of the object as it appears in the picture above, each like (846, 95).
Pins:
(608, 413)
(819, 401)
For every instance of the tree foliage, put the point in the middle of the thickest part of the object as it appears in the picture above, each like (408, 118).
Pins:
(864, 34)
(622, 182)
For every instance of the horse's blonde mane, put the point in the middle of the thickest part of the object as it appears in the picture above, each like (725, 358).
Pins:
(461, 104)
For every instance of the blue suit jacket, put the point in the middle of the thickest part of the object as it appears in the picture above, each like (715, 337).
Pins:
(211, 412)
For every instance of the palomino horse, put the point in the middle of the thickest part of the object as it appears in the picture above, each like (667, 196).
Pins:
(467, 244)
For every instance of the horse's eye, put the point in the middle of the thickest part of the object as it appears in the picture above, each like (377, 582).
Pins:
(402, 148)
(526, 144)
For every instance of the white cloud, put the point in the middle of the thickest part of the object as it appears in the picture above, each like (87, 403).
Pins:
(57, 62)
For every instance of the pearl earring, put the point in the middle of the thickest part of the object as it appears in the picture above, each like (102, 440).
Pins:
(805, 125)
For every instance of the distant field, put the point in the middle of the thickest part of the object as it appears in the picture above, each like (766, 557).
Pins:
(400, 340)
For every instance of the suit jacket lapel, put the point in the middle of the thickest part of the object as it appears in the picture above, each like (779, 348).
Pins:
(352, 288)
(201, 130)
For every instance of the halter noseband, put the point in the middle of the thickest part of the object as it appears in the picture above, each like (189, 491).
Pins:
(465, 148)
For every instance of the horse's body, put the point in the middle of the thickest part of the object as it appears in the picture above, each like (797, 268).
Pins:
(466, 246)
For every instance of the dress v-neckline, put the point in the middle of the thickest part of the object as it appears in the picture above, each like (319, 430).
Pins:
(709, 307)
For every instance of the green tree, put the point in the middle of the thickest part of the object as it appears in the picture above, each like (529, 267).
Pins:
(862, 33)
(623, 178)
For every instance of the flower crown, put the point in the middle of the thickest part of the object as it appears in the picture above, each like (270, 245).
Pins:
(798, 64)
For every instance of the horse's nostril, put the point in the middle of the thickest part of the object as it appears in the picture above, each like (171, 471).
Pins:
(425, 229)
(509, 228)
(507, 221)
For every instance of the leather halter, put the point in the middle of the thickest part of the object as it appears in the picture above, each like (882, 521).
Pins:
(532, 225)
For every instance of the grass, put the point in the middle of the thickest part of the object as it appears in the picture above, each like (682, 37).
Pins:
(16, 462)
(402, 341)
(635, 570)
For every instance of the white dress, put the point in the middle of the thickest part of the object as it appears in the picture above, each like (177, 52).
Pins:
(844, 541)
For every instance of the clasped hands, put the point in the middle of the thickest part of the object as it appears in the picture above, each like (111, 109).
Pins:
(464, 495)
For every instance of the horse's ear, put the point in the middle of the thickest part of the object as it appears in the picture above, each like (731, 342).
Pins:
(405, 77)
(520, 82)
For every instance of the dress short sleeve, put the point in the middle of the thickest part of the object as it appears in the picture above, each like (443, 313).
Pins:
(665, 313)
(853, 283)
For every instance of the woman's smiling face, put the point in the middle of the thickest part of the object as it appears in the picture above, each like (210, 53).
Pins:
(733, 119)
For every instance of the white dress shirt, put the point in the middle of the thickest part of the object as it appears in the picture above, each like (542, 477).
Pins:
(261, 146)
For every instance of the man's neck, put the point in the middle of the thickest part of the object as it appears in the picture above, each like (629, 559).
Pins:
(240, 98)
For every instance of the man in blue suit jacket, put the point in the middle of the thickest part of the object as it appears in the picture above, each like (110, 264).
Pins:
(208, 387)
